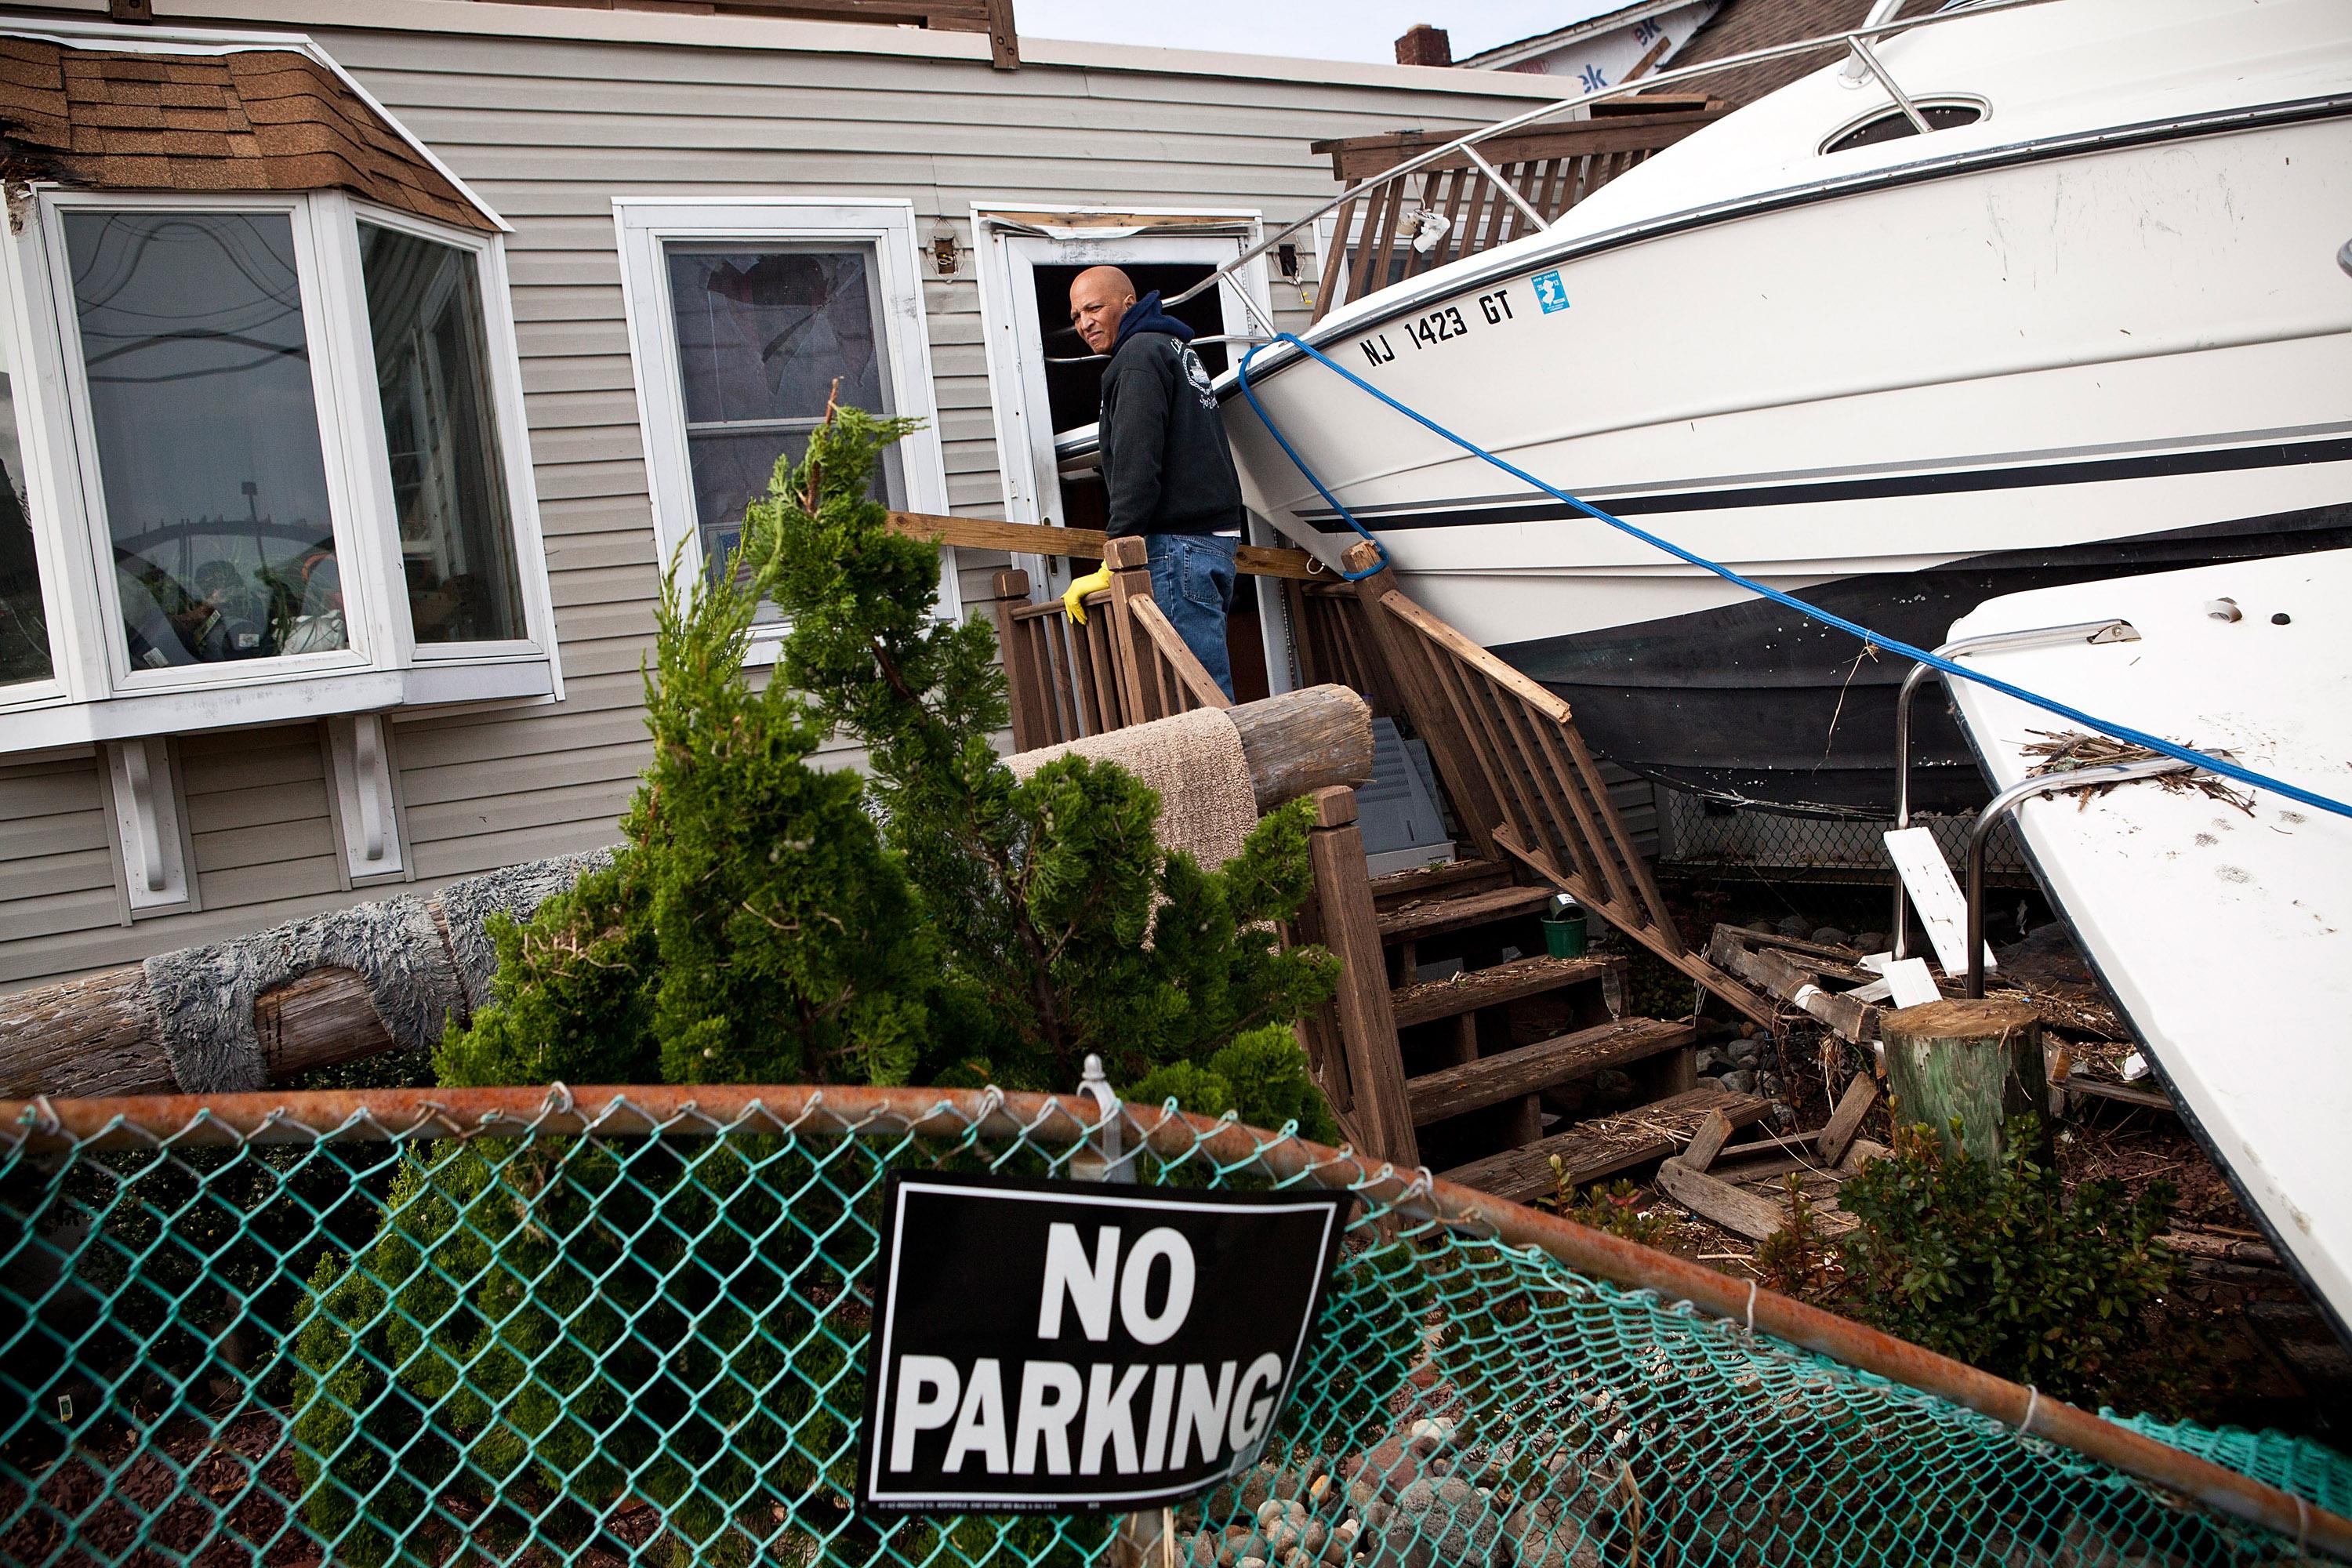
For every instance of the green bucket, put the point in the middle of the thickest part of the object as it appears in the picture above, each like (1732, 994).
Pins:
(1564, 935)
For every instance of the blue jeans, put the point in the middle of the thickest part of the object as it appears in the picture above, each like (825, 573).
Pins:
(1192, 583)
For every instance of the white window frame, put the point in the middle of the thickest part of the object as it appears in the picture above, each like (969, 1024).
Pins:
(95, 694)
(647, 224)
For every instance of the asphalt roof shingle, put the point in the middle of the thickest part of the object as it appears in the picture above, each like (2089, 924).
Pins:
(253, 119)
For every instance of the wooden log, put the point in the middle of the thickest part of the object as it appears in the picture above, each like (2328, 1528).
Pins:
(89, 1036)
(1301, 741)
(1976, 1062)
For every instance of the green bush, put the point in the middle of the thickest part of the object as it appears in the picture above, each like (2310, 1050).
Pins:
(520, 1327)
(1998, 1267)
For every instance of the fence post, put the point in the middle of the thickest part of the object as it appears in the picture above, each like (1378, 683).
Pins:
(1144, 1540)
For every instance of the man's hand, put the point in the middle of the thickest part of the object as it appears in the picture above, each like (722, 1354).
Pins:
(1092, 583)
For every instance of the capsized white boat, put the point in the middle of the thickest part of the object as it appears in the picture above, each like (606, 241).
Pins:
(2225, 935)
(2101, 327)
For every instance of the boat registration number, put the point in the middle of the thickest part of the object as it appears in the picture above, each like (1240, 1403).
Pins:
(1439, 327)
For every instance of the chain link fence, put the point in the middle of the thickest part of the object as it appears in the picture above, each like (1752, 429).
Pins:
(1701, 834)
(629, 1326)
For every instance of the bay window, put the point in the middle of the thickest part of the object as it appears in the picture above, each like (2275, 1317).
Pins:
(276, 470)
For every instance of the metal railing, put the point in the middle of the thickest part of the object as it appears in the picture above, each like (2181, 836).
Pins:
(1854, 42)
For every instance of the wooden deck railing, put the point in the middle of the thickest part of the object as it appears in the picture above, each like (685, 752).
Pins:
(1549, 168)
(1524, 785)
(1125, 664)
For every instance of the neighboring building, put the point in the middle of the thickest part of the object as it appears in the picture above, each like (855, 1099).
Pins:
(1651, 35)
(1741, 26)
(1604, 50)
(363, 377)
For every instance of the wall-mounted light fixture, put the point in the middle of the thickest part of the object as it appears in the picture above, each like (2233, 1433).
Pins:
(943, 249)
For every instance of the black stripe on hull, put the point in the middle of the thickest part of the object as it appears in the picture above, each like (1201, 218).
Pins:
(1876, 487)
(1758, 701)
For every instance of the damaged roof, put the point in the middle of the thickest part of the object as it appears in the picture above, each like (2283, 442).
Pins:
(246, 119)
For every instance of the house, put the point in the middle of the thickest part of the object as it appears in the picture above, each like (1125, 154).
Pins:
(365, 366)
(1604, 50)
(1653, 34)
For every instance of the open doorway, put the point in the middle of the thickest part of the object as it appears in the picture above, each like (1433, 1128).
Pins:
(1043, 381)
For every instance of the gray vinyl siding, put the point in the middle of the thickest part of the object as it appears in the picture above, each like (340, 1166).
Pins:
(549, 131)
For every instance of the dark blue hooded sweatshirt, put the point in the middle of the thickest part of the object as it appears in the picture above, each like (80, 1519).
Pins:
(1164, 458)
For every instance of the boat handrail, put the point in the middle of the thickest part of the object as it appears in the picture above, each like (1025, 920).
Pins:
(2033, 788)
(1855, 41)
(2111, 630)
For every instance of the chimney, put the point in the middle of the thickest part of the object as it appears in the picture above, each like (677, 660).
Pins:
(1424, 45)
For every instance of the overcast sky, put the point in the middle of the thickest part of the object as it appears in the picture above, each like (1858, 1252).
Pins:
(1322, 29)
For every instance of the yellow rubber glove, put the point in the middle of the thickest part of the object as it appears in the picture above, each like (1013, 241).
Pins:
(1093, 582)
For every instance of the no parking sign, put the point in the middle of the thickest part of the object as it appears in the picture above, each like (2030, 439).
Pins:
(1041, 1345)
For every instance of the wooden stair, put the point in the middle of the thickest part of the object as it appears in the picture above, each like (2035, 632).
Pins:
(1501, 1056)
(1531, 1069)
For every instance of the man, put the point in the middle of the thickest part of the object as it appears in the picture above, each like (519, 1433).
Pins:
(1164, 461)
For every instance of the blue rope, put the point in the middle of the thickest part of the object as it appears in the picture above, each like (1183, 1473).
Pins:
(2222, 766)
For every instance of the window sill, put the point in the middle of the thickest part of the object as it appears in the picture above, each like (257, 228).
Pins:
(37, 725)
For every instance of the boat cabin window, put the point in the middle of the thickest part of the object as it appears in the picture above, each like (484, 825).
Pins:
(1894, 124)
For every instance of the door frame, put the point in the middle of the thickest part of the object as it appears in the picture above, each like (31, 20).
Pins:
(1009, 241)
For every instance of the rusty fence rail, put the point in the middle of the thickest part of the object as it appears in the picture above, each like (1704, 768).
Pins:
(623, 1325)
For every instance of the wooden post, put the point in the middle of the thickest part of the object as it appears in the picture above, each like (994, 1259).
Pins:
(1340, 917)
(1033, 723)
(1977, 1061)
(1130, 579)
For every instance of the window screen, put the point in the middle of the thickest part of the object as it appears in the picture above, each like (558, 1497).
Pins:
(763, 334)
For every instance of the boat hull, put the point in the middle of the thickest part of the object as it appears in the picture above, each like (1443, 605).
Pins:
(1900, 400)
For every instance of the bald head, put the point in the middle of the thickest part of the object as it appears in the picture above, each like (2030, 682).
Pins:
(1098, 297)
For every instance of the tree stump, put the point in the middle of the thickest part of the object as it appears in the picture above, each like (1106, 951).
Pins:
(1978, 1062)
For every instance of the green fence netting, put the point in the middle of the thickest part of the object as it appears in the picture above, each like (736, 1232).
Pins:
(417, 1336)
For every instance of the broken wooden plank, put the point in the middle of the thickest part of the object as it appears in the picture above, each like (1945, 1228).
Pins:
(1779, 977)
(1846, 1121)
(1605, 1145)
(1743, 1213)
(2121, 1093)
(1432, 917)
(1708, 1142)
(1862, 1153)
(1506, 1075)
(1737, 1211)
(1432, 1000)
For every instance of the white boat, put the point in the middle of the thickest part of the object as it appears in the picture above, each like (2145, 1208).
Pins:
(2105, 326)
(2225, 935)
